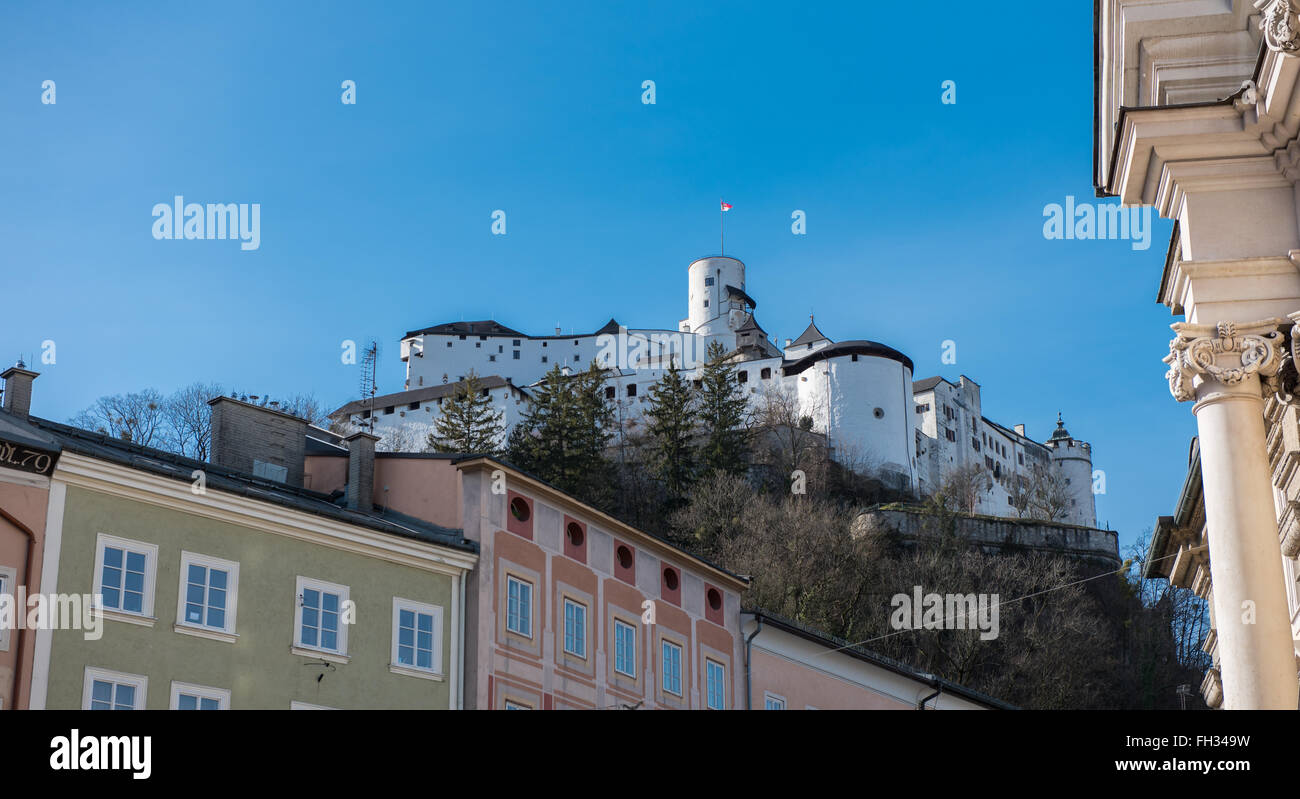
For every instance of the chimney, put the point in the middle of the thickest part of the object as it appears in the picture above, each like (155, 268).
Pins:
(18, 389)
(1020, 429)
(361, 471)
(260, 441)
(557, 330)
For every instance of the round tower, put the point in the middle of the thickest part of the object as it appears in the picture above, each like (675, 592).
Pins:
(708, 299)
(1072, 459)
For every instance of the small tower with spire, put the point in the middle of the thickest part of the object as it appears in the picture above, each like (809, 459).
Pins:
(1072, 460)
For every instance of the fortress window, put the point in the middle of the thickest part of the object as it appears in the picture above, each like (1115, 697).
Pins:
(388, 410)
(575, 342)
(879, 413)
(462, 338)
(949, 434)
(486, 392)
(448, 343)
(631, 389)
(743, 376)
(708, 281)
(492, 357)
(515, 343)
(706, 303)
(575, 359)
(414, 406)
(1021, 457)
(766, 374)
(855, 357)
(482, 338)
(543, 359)
(544, 343)
(478, 345)
(365, 414)
(502, 349)
(974, 442)
(609, 392)
(516, 355)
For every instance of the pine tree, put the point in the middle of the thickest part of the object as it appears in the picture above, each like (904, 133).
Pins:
(468, 422)
(671, 427)
(723, 410)
(563, 435)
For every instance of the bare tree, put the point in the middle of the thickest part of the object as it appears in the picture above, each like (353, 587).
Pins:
(1049, 498)
(401, 438)
(963, 487)
(138, 417)
(187, 420)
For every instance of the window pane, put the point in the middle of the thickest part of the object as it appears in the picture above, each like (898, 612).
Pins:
(217, 579)
(209, 704)
(125, 697)
(135, 562)
(187, 702)
(426, 622)
(113, 557)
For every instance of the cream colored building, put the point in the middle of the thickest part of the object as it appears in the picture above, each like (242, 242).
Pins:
(1198, 112)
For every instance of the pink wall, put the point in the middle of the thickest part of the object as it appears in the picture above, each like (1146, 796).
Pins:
(426, 488)
(22, 511)
(802, 686)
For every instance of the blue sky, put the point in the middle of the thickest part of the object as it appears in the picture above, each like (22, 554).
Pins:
(924, 220)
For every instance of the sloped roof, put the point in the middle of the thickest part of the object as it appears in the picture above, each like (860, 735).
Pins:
(750, 325)
(422, 394)
(857, 347)
(732, 291)
(928, 383)
(484, 327)
(169, 464)
(809, 335)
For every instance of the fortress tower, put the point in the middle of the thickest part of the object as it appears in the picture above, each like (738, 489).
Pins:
(717, 304)
(1074, 460)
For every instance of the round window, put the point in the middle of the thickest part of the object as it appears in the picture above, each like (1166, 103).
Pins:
(879, 413)
(574, 532)
(519, 509)
(670, 579)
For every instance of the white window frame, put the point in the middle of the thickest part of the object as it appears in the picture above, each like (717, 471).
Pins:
(771, 698)
(137, 681)
(663, 668)
(303, 584)
(295, 705)
(510, 578)
(221, 695)
(583, 632)
(9, 585)
(232, 594)
(150, 551)
(633, 631)
(708, 700)
(413, 670)
(510, 704)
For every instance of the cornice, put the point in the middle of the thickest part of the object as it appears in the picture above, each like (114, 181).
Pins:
(96, 475)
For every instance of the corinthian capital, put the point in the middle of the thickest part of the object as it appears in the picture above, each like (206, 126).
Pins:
(1280, 25)
(1228, 353)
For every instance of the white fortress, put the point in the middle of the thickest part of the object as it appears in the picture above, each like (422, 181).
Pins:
(859, 394)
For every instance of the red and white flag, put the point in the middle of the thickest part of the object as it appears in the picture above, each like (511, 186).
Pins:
(726, 206)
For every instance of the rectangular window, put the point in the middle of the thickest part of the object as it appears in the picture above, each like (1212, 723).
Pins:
(124, 574)
(773, 702)
(671, 675)
(715, 678)
(575, 628)
(8, 583)
(198, 697)
(516, 705)
(708, 281)
(516, 355)
(519, 607)
(624, 649)
(515, 342)
(319, 616)
(417, 636)
(209, 593)
(112, 690)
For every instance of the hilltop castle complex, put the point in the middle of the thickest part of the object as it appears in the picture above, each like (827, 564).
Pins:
(859, 394)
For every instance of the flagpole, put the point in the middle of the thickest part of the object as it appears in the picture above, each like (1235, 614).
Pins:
(722, 230)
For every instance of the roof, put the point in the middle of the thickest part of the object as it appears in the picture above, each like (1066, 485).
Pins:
(491, 328)
(809, 335)
(484, 327)
(928, 383)
(857, 347)
(168, 464)
(732, 291)
(750, 325)
(611, 522)
(423, 394)
(854, 651)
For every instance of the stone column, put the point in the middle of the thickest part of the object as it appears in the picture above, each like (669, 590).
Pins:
(1225, 368)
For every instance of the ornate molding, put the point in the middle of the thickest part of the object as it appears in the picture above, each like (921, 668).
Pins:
(1227, 352)
(1280, 25)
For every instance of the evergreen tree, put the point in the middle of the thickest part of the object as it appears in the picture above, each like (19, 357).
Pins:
(671, 426)
(723, 409)
(563, 435)
(468, 422)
